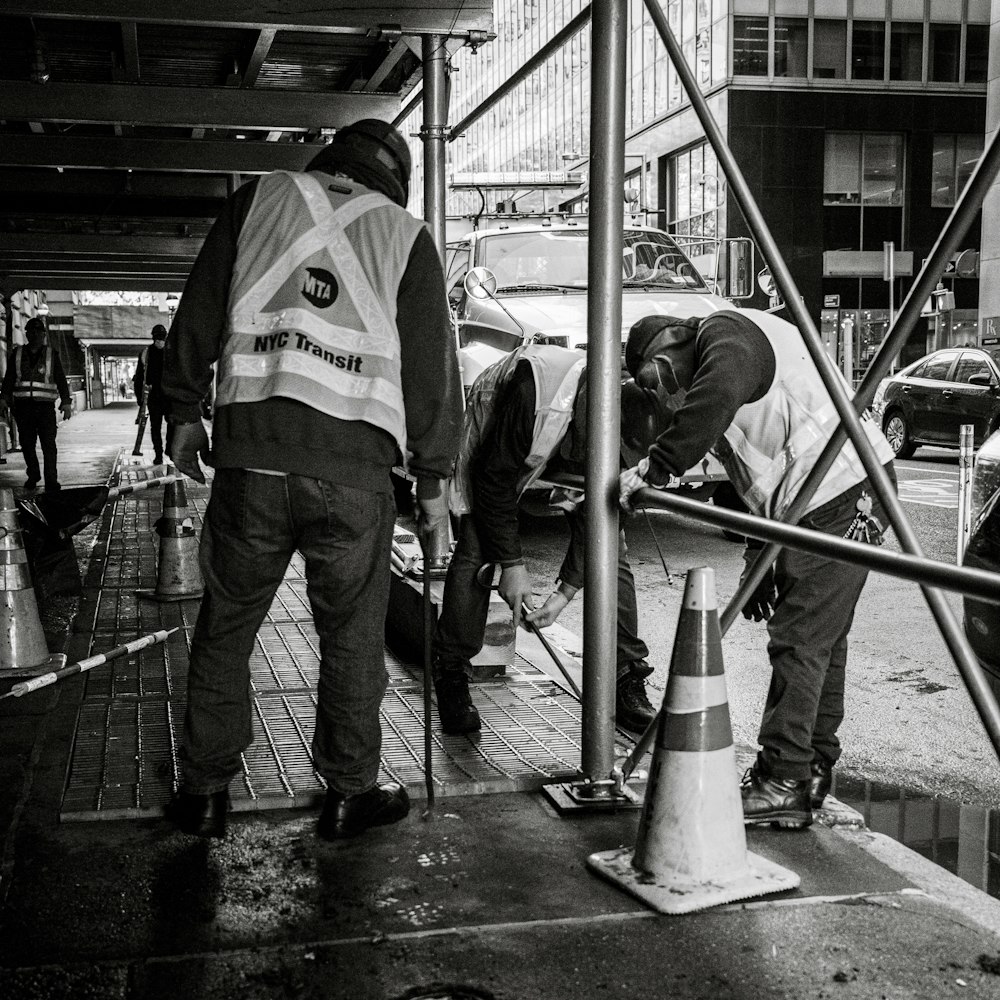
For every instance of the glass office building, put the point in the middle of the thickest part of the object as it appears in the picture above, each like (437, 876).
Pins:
(855, 122)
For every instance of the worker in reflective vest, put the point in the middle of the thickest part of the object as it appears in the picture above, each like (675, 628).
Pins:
(526, 415)
(148, 379)
(33, 383)
(753, 395)
(321, 303)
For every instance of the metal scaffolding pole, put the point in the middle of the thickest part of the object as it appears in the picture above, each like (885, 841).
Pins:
(609, 29)
(965, 659)
(433, 133)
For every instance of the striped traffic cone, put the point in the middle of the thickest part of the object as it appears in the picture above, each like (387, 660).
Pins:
(22, 642)
(178, 575)
(691, 851)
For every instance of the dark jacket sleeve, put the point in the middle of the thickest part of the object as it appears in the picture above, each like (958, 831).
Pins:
(7, 390)
(499, 464)
(734, 365)
(432, 387)
(60, 377)
(195, 340)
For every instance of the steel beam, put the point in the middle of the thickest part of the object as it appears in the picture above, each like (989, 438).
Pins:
(445, 17)
(104, 245)
(265, 38)
(609, 31)
(189, 107)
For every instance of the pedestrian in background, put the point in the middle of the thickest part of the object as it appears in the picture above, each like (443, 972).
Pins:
(33, 383)
(754, 396)
(322, 302)
(148, 386)
(526, 416)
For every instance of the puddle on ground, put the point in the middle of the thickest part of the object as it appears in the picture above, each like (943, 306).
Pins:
(962, 839)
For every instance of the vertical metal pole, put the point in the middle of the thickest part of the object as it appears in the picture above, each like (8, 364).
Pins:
(433, 134)
(966, 460)
(604, 322)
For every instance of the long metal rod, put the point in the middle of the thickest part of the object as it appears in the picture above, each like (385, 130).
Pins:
(609, 30)
(963, 215)
(408, 108)
(538, 59)
(958, 645)
(435, 98)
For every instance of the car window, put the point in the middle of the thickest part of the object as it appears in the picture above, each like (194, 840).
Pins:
(936, 366)
(969, 365)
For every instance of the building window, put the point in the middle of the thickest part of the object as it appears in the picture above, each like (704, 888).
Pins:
(750, 46)
(863, 169)
(868, 50)
(829, 49)
(695, 198)
(977, 53)
(791, 46)
(906, 51)
(945, 42)
(955, 157)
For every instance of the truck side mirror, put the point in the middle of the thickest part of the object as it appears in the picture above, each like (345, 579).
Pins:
(740, 269)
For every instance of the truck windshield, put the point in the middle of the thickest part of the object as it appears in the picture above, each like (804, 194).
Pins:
(522, 260)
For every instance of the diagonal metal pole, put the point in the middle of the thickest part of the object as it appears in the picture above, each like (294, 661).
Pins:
(958, 645)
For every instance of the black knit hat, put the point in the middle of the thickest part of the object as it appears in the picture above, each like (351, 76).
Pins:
(653, 333)
(159, 332)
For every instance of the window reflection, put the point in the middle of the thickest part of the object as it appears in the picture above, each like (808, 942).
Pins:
(830, 49)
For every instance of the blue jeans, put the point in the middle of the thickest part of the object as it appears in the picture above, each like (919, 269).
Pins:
(253, 524)
(465, 607)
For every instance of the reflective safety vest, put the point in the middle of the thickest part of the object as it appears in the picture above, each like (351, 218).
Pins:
(772, 444)
(37, 382)
(312, 301)
(556, 372)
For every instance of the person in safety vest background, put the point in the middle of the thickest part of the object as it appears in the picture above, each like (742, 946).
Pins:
(754, 396)
(526, 415)
(321, 300)
(149, 375)
(33, 383)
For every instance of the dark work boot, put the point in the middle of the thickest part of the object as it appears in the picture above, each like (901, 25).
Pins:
(781, 801)
(457, 713)
(346, 816)
(632, 708)
(819, 784)
(201, 815)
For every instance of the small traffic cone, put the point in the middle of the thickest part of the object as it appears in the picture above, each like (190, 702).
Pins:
(691, 851)
(23, 651)
(178, 575)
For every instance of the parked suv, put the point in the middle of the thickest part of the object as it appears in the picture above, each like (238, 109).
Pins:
(928, 401)
(535, 287)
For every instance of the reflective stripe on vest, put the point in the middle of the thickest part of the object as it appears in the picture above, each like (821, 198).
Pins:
(43, 389)
(556, 372)
(317, 323)
(772, 444)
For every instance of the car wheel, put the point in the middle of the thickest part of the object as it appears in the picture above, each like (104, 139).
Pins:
(898, 435)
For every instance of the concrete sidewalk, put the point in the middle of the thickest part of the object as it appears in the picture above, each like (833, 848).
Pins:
(488, 896)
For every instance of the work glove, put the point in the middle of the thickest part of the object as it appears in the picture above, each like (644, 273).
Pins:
(515, 589)
(553, 606)
(189, 441)
(760, 603)
(634, 479)
(67, 410)
(432, 511)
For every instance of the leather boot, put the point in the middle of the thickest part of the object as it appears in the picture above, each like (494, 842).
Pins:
(781, 801)
(819, 784)
(346, 816)
(200, 815)
(457, 713)
(632, 708)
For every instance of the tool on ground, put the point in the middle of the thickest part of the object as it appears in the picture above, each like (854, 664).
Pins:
(659, 551)
(81, 666)
(525, 610)
(141, 420)
(691, 848)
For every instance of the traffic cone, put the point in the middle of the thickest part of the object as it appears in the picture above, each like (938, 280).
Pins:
(22, 642)
(178, 575)
(691, 850)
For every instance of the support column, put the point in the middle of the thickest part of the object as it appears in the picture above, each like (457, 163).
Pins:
(433, 134)
(989, 251)
(604, 322)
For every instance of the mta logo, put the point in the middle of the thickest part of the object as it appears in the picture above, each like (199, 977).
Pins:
(320, 287)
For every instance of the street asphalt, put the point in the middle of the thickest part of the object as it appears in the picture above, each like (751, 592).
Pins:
(483, 896)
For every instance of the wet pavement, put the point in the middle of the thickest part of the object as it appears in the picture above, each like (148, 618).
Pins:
(487, 896)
